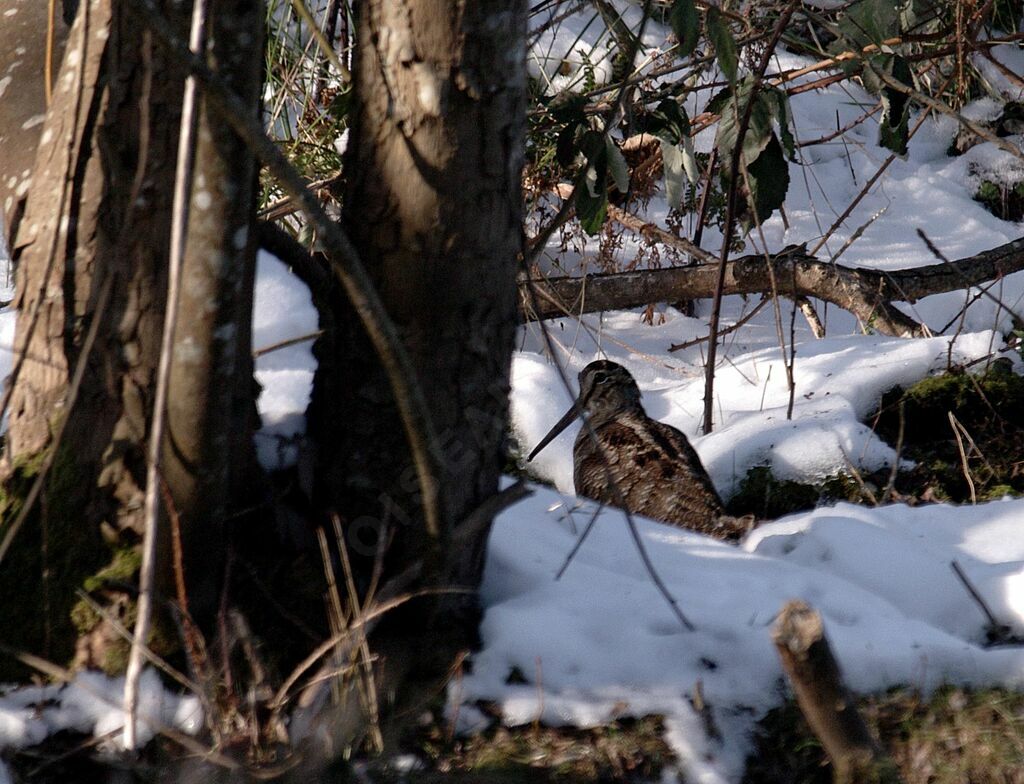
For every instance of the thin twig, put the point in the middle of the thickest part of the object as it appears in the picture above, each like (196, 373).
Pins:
(368, 681)
(891, 484)
(321, 40)
(942, 108)
(187, 742)
(722, 332)
(536, 245)
(955, 424)
(366, 621)
(613, 486)
(979, 600)
(874, 178)
(579, 541)
(269, 349)
(953, 265)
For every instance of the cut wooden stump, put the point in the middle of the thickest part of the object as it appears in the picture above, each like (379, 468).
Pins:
(824, 700)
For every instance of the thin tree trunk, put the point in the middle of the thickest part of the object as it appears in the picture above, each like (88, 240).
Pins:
(97, 223)
(97, 214)
(213, 335)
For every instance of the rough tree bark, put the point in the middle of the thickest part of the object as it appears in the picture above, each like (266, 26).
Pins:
(433, 204)
(91, 253)
(22, 66)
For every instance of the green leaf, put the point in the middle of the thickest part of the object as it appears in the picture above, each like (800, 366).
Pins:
(617, 165)
(724, 43)
(718, 100)
(768, 177)
(759, 126)
(685, 23)
(593, 148)
(669, 121)
(675, 178)
(592, 183)
(591, 209)
(869, 22)
(690, 160)
(784, 117)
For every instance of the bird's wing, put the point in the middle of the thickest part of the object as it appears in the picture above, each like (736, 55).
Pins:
(656, 470)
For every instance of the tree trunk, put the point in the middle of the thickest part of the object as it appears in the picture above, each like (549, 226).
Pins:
(81, 233)
(208, 416)
(91, 255)
(433, 204)
(22, 69)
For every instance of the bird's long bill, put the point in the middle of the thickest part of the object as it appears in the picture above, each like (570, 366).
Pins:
(562, 424)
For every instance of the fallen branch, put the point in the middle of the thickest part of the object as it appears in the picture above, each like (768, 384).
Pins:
(866, 293)
(824, 700)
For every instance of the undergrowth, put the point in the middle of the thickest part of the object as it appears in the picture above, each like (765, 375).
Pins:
(964, 431)
(627, 750)
(954, 737)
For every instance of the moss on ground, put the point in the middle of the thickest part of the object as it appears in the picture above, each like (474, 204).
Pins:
(988, 410)
(629, 750)
(763, 495)
(954, 737)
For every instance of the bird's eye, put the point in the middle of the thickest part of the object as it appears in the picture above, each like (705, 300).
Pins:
(600, 378)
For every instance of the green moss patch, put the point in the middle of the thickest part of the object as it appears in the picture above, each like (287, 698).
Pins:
(766, 497)
(984, 439)
(51, 556)
(1003, 201)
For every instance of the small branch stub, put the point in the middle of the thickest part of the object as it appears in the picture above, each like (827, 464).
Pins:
(824, 700)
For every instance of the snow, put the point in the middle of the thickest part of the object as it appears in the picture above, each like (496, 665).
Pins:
(839, 382)
(283, 310)
(1012, 58)
(92, 705)
(601, 642)
(578, 47)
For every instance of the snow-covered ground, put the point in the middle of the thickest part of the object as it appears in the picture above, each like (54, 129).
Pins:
(601, 642)
(91, 705)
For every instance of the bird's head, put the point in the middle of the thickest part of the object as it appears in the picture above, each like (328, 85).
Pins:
(606, 388)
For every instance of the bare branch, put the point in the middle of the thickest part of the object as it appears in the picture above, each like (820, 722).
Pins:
(866, 293)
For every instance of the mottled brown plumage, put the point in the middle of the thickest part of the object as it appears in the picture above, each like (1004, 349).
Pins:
(656, 470)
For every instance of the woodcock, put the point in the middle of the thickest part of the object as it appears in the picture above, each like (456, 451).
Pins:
(656, 470)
